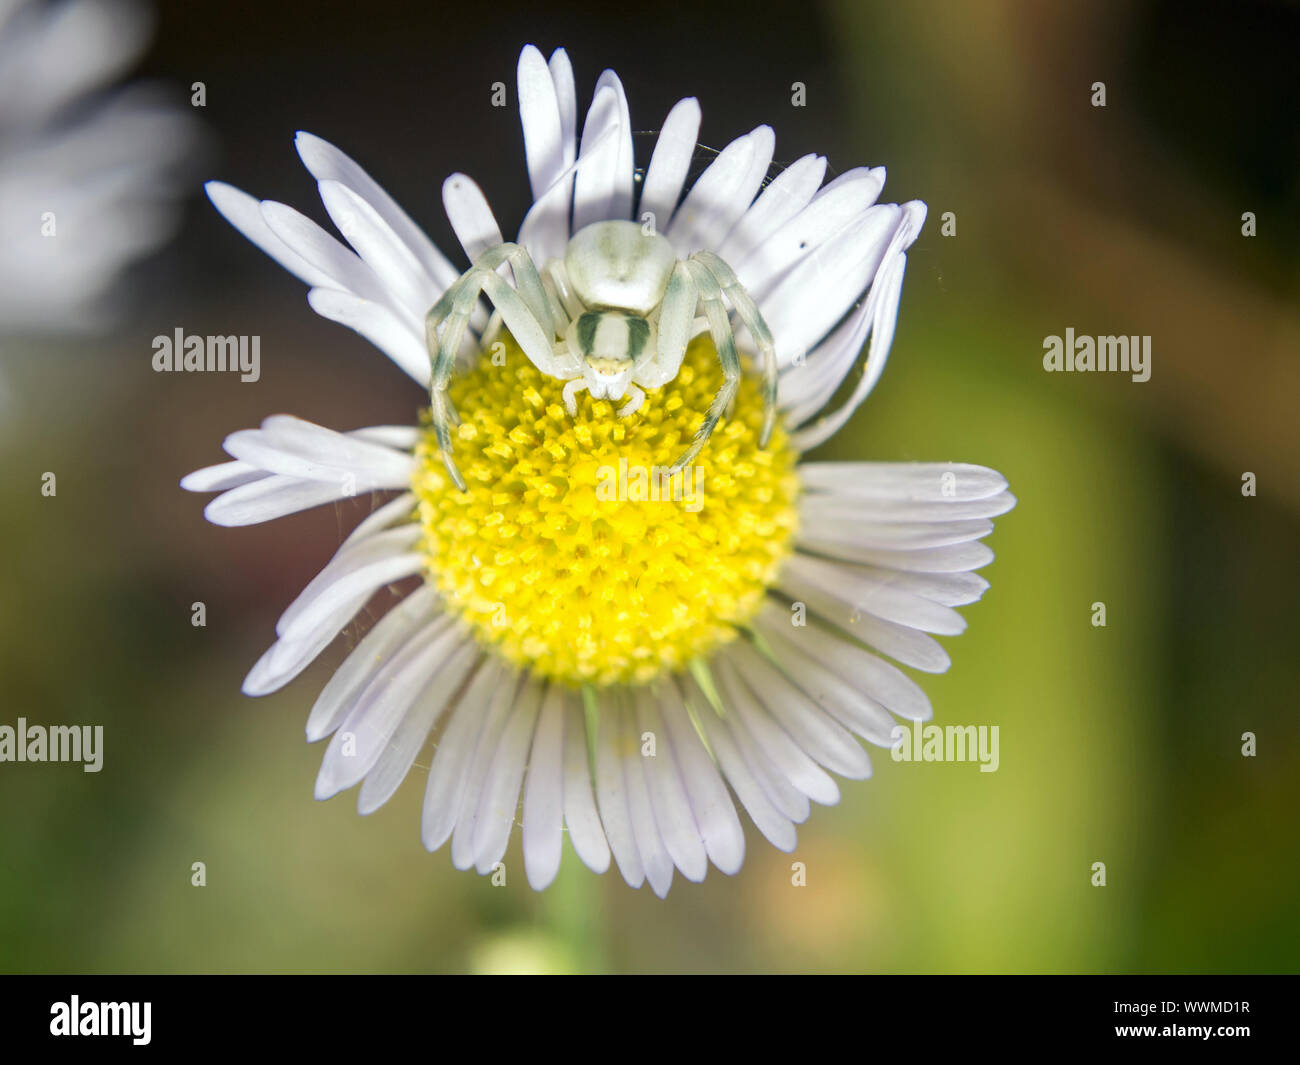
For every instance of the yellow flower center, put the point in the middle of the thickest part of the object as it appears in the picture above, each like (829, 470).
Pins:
(574, 551)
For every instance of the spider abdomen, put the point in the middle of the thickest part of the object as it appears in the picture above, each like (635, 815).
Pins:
(618, 264)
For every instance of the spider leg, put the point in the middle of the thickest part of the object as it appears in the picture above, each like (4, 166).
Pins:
(748, 312)
(635, 398)
(565, 305)
(525, 311)
(571, 391)
(676, 318)
(460, 301)
(725, 342)
(528, 282)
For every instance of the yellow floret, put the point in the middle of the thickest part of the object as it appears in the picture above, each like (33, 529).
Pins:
(573, 551)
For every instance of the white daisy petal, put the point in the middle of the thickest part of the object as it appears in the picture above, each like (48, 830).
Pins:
(449, 773)
(244, 212)
(790, 760)
(271, 497)
(539, 113)
(342, 267)
(353, 567)
(289, 656)
(319, 620)
(357, 670)
(792, 803)
(543, 831)
(499, 712)
(297, 448)
(948, 589)
(806, 388)
(545, 230)
(222, 477)
(806, 393)
(901, 642)
(580, 813)
(875, 595)
(894, 535)
(957, 589)
(913, 482)
(505, 775)
(821, 504)
(785, 196)
(885, 683)
(366, 731)
(398, 437)
(328, 163)
(956, 559)
(828, 216)
(816, 733)
(470, 216)
(668, 801)
(845, 700)
(817, 293)
(623, 178)
(410, 735)
(670, 163)
(885, 295)
(719, 827)
(722, 193)
(655, 859)
(566, 99)
(873, 174)
(382, 327)
(380, 248)
(395, 511)
(599, 185)
(611, 793)
(775, 826)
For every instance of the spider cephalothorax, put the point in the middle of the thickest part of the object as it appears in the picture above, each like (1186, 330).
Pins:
(613, 316)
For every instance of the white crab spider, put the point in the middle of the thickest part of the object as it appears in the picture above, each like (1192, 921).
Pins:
(613, 316)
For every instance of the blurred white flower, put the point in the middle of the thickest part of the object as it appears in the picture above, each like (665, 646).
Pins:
(89, 175)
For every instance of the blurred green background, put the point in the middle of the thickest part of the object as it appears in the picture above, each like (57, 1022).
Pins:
(1119, 744)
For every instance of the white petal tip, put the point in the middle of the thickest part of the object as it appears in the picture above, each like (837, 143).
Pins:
(225, 198)
(366, 806)
(541, 879)
(259, 680)
(730, 867)
(216, 513)
(326, 786)
(599, 867)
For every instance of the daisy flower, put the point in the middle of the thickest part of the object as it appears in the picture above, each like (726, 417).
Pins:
(630, 661)
(88, 178)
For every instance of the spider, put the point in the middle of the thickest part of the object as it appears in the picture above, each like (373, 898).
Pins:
(613, 316)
